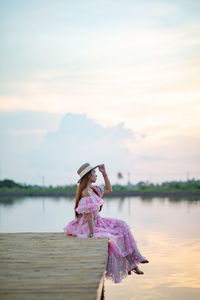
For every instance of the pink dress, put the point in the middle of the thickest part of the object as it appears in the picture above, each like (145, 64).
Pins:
(123, 254)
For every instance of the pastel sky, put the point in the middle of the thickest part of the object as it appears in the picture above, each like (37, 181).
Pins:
(113, 81)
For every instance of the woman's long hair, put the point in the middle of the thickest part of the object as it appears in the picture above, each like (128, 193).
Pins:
(82, 185)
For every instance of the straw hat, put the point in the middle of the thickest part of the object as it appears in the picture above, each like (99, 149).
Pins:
(84, 169)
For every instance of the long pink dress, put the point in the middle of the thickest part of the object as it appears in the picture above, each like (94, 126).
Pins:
(123, 254)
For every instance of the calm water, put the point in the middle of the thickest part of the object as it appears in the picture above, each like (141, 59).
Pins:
(167, 232)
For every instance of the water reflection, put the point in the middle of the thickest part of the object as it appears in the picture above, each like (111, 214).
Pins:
(173, 271)
(166, 229)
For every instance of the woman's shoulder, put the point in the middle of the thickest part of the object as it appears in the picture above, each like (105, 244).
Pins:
(89, 198)
(95, 197)
(98, 190)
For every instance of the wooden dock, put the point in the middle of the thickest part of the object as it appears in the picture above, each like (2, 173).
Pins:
(51, 266)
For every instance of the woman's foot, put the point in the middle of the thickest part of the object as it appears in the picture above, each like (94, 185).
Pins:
(145, 261)
(137, 271)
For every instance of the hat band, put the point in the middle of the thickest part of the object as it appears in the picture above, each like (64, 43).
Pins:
(85, 171)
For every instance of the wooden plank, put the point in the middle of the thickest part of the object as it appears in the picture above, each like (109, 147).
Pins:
(51, 266)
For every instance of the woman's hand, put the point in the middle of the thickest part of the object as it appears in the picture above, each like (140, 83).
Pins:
(102, 169)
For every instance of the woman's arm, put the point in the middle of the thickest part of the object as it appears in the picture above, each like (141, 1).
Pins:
(108, 187)
(90, 223)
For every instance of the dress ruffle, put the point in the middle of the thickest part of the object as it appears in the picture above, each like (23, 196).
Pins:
(89, 204)
(100, 189)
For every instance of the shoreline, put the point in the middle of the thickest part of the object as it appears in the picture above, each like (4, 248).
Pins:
(111, 195)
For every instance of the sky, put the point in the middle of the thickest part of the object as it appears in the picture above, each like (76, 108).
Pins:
(114, 82)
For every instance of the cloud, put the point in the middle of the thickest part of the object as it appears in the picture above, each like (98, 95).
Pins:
(80, 139)
(27, 120)
(29, 152)
(54, 146)
(136, 63)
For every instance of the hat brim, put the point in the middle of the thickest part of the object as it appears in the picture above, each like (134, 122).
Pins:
(86, 173)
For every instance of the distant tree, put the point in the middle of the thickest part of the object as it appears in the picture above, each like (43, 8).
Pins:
(140, 184)
(119, 176)
(9, 184)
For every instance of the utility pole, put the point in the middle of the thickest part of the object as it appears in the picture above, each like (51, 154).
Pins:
(149, 178)
(129, 182)
(187, 175)
(43, 181)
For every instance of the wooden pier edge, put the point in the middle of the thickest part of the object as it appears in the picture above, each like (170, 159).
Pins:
(50, 265)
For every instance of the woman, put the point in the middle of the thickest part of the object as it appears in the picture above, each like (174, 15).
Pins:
(123, 254)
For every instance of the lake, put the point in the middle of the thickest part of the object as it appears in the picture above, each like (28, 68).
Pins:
(167, 232)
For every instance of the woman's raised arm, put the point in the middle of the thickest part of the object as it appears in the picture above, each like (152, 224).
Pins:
(108, 187)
